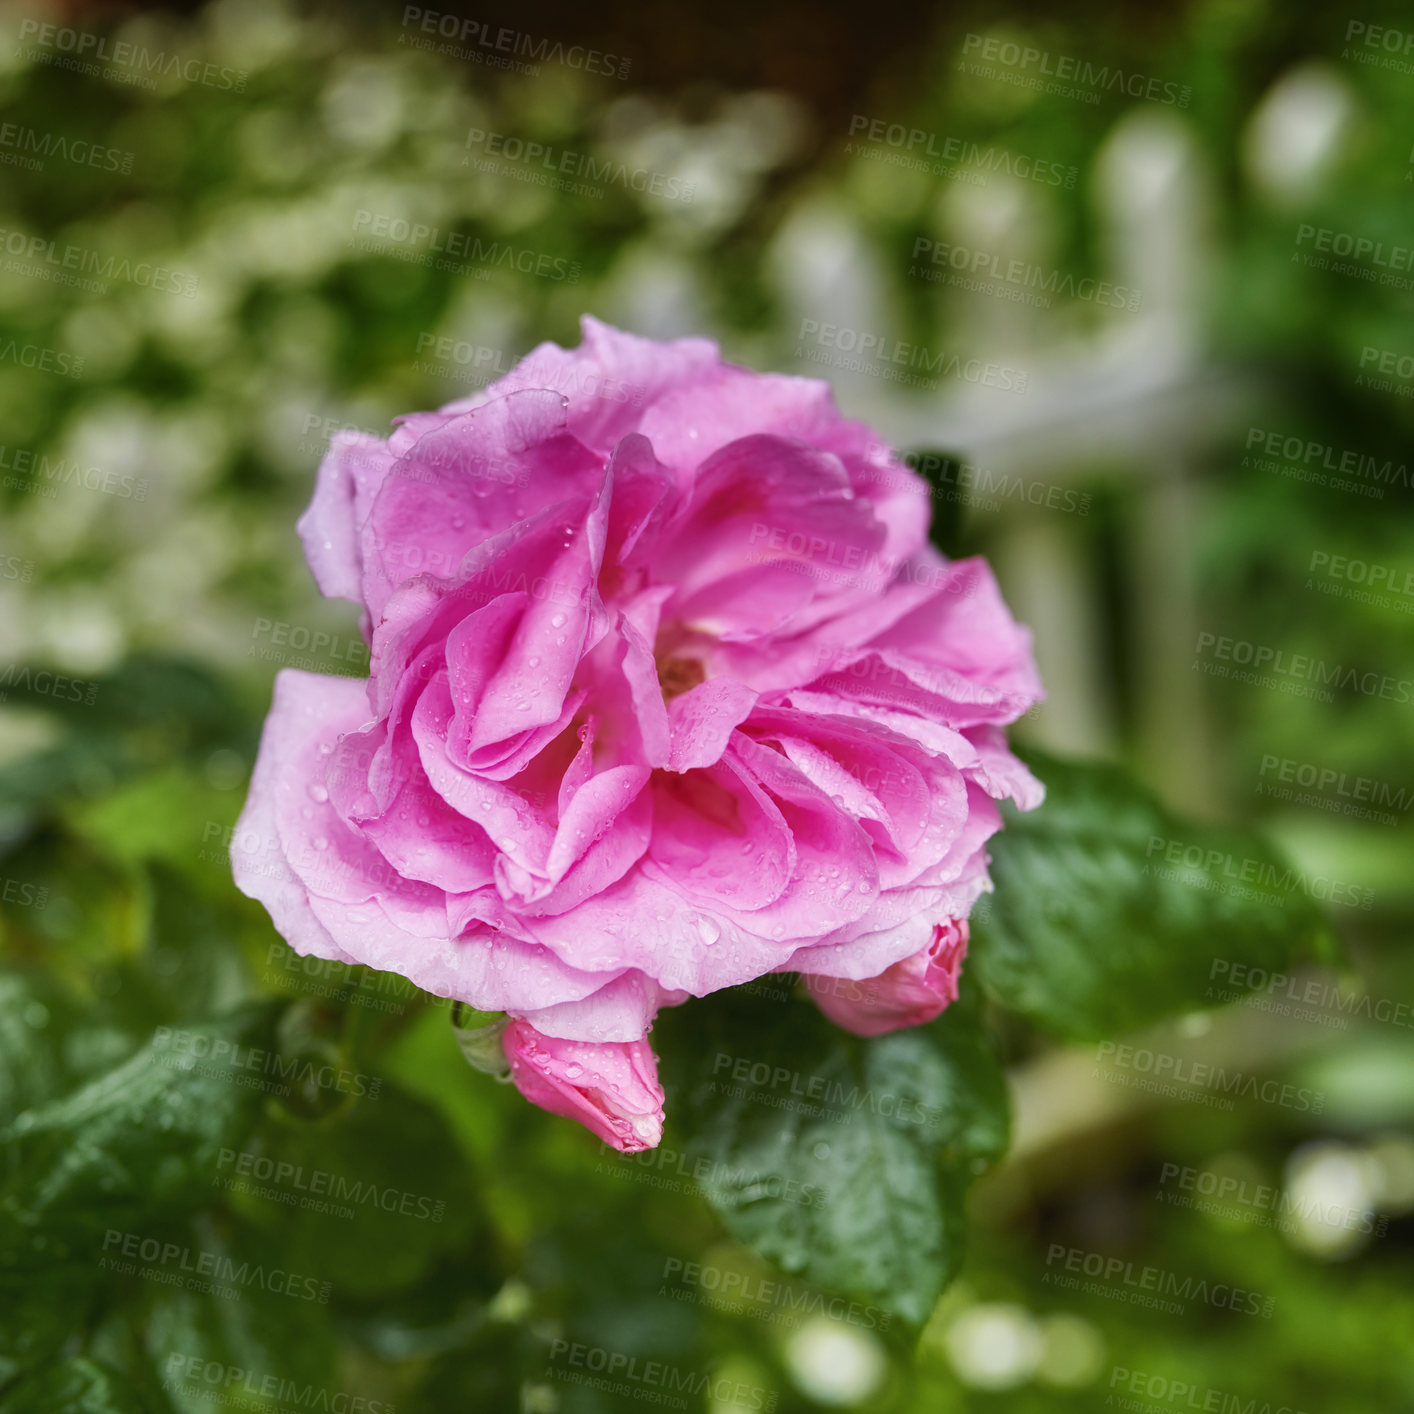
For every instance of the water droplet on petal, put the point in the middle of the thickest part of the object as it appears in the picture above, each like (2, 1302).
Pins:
(319, 794)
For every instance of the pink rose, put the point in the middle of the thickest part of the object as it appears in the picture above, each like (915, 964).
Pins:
(668, 690)
(610, 1087)
(909, 993)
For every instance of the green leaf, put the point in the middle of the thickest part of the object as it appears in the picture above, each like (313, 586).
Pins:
(139, 1143)
(262, 1352)
(145, 713)
(492, 1369)
(84, 909)
(170, 814)
(34, 1018)
(1110, 912)
(74, 1387)
(843, 1160)
(42, 1312)
(370, 1200)
(42, 1309)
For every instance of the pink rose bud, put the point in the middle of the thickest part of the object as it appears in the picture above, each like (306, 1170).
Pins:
(907, 994)
(610, 1087)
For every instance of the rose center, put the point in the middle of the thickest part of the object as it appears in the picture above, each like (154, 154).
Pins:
(677, 675)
